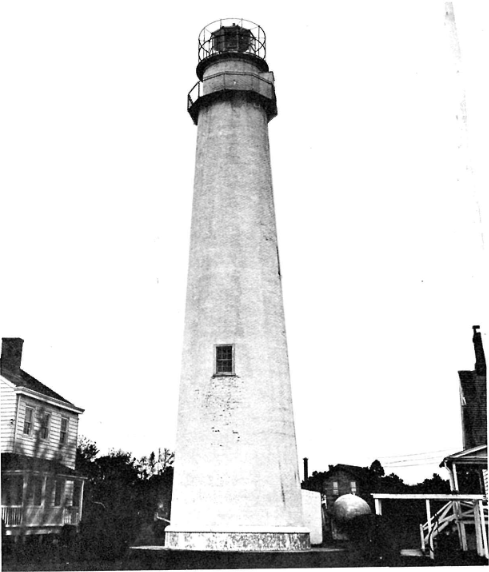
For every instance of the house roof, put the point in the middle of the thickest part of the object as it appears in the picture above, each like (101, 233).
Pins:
(358, 472)
(17, 462)
(23, 379)
(474, 455)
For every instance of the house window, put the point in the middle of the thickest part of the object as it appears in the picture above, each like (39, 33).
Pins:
(64, 430)
(353, 487)
(59, 488)
(34, 491)
(12, 488)
(336, 490)
(29, 413)
(44, 431)
(224, 360)
(76, 493)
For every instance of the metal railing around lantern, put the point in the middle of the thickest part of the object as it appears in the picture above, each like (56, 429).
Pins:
(232, 35)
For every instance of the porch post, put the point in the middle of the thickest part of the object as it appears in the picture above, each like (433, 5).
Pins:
(378, 506)
(483, 529)
(25, 490)
(455, 477)
(43, 492)
(477, 522)
(81, 501)
(459, 514)
(456, 514)
(430, 536)
(450, 478)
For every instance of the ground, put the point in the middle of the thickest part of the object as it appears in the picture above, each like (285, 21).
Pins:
(159, 558)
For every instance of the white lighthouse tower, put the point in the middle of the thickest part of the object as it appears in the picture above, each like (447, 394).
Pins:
(236, 481)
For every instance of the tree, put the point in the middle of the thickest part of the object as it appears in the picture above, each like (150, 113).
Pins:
(122, 495)
(110, 517)
(155, 464)
(86, 449)
(435, 485)
(86, 452)
(376, 469)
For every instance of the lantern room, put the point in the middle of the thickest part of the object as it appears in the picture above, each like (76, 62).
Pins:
(231, 37)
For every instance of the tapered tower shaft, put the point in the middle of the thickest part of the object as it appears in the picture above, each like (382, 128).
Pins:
(236, 472)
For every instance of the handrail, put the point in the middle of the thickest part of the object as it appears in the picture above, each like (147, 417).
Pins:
(192, 97)
(198, 89)
(50, 516)
(208, 35)
(419, 496)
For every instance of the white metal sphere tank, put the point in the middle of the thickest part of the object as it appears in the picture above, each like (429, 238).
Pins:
(347, 507)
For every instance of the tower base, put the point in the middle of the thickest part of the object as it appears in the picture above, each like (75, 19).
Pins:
(278, 539)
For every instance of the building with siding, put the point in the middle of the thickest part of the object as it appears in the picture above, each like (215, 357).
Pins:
(41, 490)
(467, 469)
(339, 480)
(473, 397)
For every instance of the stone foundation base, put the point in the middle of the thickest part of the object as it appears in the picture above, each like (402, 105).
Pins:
(238, 541)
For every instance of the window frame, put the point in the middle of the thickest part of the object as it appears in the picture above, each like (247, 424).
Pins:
(63, 433)
(77, 488)
(28, 424)
(45, 422)
(35, 491)
(336, 488)
(12, 490)
(233, 361)
(353, 487)
(59, 491)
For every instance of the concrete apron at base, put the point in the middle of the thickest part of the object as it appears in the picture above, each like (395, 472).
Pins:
(239, 541)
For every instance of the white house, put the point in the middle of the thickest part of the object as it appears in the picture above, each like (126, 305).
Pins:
(41, 491)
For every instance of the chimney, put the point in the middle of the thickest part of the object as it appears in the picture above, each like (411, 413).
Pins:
(11, 355)
(306, 468)
(480, 358)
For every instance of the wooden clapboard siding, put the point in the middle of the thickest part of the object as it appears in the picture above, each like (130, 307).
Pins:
(50, 448)
(32, 457)
(8, 400)
(344, 480)
(72, 441)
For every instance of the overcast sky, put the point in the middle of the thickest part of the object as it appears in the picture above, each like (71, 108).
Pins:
(381, 204)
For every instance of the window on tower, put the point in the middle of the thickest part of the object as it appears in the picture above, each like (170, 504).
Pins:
(225, 360)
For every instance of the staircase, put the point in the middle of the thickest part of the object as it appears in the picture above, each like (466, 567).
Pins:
(458, 514)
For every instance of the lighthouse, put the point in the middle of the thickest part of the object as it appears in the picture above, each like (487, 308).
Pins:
(236, 483)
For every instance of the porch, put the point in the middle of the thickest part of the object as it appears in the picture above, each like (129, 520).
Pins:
(460, 511)
(38, 519)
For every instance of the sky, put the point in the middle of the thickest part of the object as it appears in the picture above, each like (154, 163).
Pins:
(381, 204)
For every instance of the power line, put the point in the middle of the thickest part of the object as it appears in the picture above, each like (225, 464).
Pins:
(420, 460)
(414, 465)
(416, 454)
